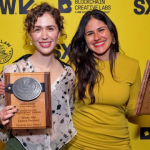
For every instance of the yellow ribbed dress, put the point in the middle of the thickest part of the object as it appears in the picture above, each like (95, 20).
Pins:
(103, 125)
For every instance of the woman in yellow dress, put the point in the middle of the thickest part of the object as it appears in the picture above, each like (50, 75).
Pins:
(107, 86)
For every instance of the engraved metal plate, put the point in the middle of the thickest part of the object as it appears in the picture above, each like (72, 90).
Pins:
(26, 88)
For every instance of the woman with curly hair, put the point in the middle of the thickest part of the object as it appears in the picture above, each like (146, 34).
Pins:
(44, 25)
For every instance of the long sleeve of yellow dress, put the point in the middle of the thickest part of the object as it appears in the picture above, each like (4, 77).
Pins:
(103, 125)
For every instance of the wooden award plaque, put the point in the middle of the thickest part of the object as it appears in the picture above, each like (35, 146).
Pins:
(143, 101)
(34, 113)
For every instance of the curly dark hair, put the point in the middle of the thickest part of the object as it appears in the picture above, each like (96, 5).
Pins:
(85, 62)
(38, 11)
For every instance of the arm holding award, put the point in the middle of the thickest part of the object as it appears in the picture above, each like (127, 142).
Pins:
(27, 80)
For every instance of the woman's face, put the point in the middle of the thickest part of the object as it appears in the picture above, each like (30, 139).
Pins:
(98, 38)
(45, 34)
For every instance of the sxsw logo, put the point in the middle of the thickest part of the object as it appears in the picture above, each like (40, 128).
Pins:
(141, 7)
(11, 4)
(65, 48)
(65, 6)
(145, 133)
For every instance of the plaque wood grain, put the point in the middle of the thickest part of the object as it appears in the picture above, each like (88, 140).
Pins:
(34, 114)
(143, 101)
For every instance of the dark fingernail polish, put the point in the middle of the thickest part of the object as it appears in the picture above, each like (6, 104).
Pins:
(14, 106)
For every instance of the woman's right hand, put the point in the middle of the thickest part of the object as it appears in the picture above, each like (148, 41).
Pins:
(6, 113)
(2, 88)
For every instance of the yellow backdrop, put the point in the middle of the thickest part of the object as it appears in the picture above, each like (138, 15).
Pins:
(132, 18)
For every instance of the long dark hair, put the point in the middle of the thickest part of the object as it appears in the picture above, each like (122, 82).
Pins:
(84, 62)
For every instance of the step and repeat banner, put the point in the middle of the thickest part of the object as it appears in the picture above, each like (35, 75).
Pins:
(132, 19)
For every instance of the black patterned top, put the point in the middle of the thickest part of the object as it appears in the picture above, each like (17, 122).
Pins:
(62, 107)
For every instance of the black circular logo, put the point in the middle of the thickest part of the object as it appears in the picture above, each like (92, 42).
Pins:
(27, 88)
(6, 52)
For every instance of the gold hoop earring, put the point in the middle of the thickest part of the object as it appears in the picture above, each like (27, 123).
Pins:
(113, 40)
(31, 43)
